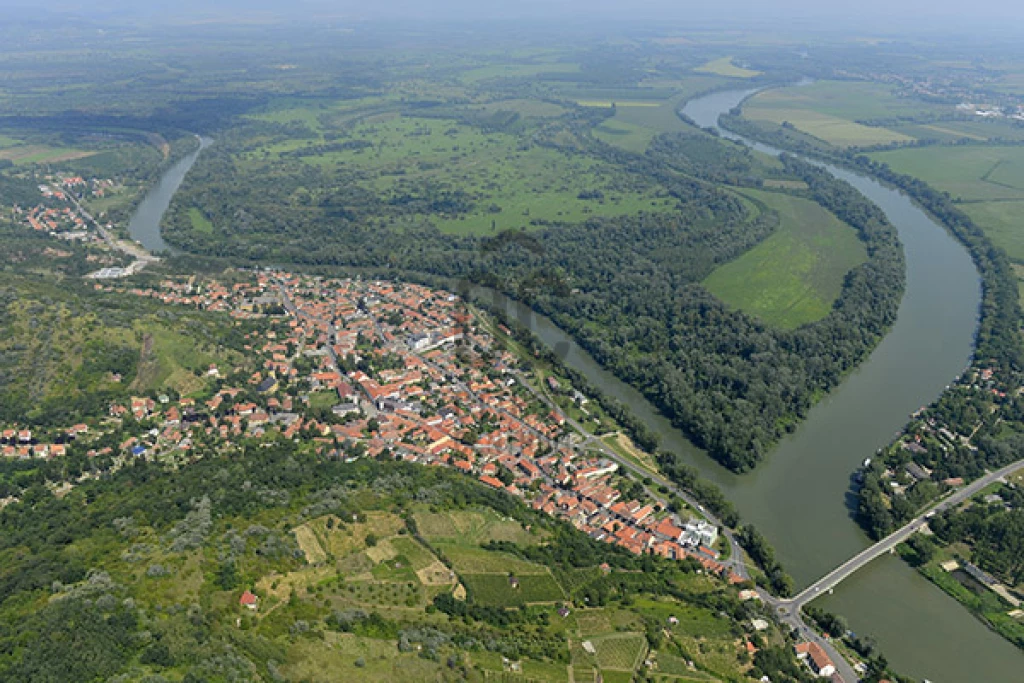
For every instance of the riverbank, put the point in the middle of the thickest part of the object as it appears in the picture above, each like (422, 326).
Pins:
(803, 498)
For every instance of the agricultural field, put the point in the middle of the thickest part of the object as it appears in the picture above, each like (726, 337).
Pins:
(27, 154)
(632, 128)
(622, 652)
(831, 110)
(969, 173)
(518, 70)
(973, 129)
(470, 528)
(497, 590)
(725, 67)
(792, 277)
(987, 181)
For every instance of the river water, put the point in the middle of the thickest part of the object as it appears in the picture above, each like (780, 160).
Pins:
(144, 226)
(800, 495)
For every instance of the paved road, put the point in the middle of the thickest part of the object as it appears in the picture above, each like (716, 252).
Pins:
(735, 561)
(833, 578)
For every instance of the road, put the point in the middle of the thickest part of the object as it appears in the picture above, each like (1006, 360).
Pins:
(833, 578)
(141, 256)
(735, 561)
(787, 610)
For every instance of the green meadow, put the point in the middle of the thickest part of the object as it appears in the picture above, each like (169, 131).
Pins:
(725, 67)
(507, 184)
(989, 181)
(794, 276)
(831, 110)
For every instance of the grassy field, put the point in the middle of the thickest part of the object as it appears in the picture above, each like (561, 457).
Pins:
(470, 560)
(1003, 222)
(508, 184)
(725, 67)
(24, 155)
(988, 180)
(629, 136)
(470, 528)
(381, 661)
(830, 110)
(970, 173)
(793, 277)
(200, 223)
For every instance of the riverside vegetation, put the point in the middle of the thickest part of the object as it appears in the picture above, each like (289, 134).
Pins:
(977, 424)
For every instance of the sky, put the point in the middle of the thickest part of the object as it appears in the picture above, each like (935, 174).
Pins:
(882, 15)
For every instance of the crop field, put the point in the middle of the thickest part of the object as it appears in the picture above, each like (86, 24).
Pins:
(496, 590)
(470, 560)
(607, 104)
(989, 181)
(832, 129)
(622, 651)
(968, 173)
(852, 100)
(23, 155)
(725, 67)
(830, 110)
(793, 277)
(472, 527)
(1003, 222)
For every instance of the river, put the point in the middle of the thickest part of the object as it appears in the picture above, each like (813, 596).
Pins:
(144, 226)
(799, 496)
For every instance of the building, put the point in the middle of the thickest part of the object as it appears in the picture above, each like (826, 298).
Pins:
(249, 600)
(816, 658)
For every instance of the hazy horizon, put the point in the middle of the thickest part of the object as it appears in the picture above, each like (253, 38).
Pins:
(872, 16)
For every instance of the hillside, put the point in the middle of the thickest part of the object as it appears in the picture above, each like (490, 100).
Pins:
(371, 571)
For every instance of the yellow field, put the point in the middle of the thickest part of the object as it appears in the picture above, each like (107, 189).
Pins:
(831, 129)
(725, 67)
(608, 103)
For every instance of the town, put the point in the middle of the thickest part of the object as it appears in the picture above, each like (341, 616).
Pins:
(384, 369)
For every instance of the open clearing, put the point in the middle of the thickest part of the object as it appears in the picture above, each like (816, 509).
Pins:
(470, 528)
(491, 181)
(830, 111)
(793, 277)
(968, 173)
(988, 180)
(725, 67)
(41, 154)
